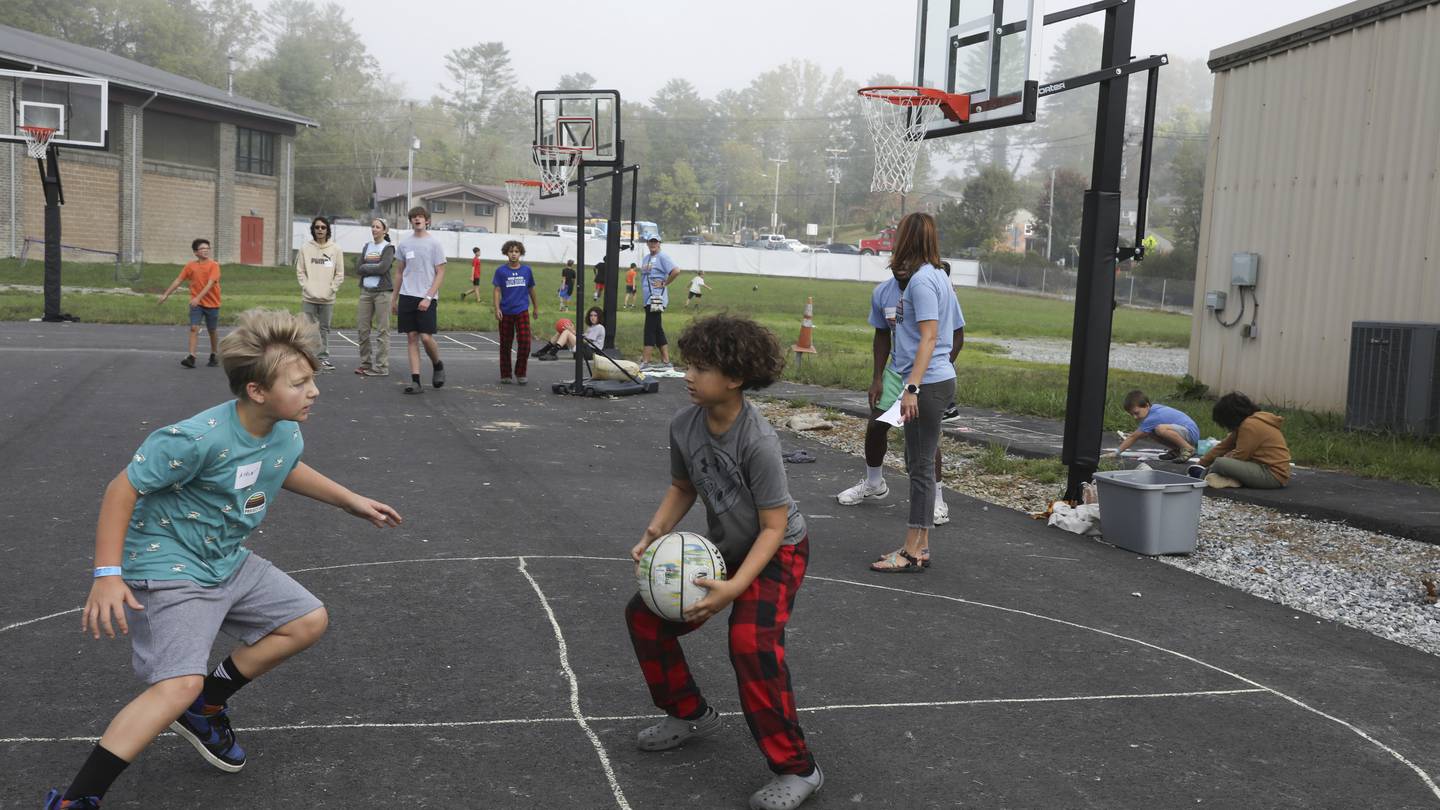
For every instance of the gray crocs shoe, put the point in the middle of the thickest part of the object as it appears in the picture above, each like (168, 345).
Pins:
(672, 732)
(786, 792)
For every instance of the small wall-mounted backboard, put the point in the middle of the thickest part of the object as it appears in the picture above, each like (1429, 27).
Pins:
(76, 107)
(587, 121)
(988, 49)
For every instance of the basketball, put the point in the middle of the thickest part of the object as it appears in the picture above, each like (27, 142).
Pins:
(668, 570)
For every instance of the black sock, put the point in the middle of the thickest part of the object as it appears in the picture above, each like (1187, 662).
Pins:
(100, 771)
(438, 365)
(415, 378)
(225, 681)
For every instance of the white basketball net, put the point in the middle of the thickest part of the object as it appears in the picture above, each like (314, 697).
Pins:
(557, 168)
(520, 193)
(37, 140)
(898, 128)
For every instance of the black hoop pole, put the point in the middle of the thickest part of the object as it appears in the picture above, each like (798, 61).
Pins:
(54, 198)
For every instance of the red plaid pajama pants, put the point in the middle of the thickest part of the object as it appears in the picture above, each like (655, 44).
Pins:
(515, 328)
(757, 651)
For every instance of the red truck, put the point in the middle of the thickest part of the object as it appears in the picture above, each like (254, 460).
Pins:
(884, 243)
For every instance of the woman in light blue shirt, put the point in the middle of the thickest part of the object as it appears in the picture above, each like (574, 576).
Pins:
(920, 354)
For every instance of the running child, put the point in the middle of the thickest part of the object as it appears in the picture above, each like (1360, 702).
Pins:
(204, 277)
(170, 564)
(514, 297)
(724, 452)
(474, 290)
(630, 286)
(697, 285)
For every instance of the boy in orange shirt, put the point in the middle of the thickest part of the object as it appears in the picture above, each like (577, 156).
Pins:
(204, 277)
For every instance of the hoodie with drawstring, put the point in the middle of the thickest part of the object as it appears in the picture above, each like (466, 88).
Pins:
(320, 269)
(1259, 440)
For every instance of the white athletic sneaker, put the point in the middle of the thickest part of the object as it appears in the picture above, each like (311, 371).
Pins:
(863, 492)
(942, 513)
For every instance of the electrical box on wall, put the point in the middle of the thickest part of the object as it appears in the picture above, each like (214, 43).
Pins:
(1244, 269)
(1215, 300)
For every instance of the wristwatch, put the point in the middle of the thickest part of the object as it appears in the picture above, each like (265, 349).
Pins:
(912, 388)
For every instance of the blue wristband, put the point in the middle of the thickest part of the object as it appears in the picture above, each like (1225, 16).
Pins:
(107, 571)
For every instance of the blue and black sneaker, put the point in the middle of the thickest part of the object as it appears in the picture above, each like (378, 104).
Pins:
(212, 737)
(54, 801)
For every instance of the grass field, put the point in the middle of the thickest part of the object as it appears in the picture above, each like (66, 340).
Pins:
(987, 378)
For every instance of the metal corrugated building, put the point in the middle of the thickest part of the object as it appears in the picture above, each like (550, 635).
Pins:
(1324, 159)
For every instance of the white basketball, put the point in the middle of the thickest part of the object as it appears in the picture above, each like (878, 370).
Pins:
(668, 570)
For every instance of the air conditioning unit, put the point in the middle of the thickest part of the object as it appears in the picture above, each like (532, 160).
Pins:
(1394, 377)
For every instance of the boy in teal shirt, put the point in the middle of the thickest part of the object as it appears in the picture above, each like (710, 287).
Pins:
(170, 565)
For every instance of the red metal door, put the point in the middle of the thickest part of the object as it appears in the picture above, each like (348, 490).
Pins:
(252, 240)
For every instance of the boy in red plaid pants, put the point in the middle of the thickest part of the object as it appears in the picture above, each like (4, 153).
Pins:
(723, 451)
(514, 294)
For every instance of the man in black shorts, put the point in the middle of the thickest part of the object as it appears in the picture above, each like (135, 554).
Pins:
(420, 263)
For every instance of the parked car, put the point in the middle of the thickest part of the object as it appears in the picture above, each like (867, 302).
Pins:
(841, 247)
(449, 225)
(820, 249)
(693, 239)
(774, 241)
(476, 229)
(756, 244)
(794, 245)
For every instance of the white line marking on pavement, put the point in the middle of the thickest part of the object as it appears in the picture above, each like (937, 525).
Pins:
(466, 345)
(575, 692)
(482, 337)
(41, 619)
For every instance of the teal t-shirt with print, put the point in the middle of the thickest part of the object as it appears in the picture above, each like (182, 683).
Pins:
(205, 484)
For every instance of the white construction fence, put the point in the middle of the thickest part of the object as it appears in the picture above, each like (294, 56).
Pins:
(710, 258)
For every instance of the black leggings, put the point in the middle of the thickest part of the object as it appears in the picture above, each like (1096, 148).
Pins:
(654, 330)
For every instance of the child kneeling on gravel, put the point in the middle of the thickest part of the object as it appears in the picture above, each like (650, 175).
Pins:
(1254, 454)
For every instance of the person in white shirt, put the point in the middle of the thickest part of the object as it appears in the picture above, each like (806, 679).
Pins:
(696, 285)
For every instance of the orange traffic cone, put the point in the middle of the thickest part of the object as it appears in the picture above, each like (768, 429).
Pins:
(803, 346)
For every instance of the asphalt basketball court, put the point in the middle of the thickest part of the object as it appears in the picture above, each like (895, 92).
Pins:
(477, 655)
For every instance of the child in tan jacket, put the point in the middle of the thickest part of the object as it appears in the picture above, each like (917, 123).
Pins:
(320, 270)
(1254, 454)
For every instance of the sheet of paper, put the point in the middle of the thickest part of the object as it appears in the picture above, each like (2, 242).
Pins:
(892, 416)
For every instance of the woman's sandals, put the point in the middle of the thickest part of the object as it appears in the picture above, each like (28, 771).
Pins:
(787, 791)
(924, 556)
(891, 564)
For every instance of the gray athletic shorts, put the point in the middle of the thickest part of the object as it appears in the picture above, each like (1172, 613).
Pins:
(173, 635)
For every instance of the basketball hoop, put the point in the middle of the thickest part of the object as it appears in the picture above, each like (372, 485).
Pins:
(521, 193)
(37, 140)
(899, 117)
(557, 167)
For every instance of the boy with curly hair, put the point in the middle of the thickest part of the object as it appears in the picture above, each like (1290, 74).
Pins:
(170, 564)
(726, 453)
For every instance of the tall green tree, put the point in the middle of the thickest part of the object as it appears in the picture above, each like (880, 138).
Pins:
(978, 219)
(1069, 205)
(675, 198)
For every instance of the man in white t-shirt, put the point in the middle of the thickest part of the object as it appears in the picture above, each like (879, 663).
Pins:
(420, 270)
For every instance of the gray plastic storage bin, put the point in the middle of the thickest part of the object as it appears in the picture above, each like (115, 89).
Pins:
(1149, 511)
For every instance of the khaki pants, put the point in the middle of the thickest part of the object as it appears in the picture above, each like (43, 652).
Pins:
(1252, 474)
(320, 314)
(374, 307)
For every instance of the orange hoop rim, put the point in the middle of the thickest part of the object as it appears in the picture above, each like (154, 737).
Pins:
(37, 133)
(956, 106)
(531, 183)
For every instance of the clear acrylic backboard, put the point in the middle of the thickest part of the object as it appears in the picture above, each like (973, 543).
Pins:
(988, 49)
(584, 120)
(77, 107)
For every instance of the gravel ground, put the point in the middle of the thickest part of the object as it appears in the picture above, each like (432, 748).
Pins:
(1372, 582)
(1127, 356)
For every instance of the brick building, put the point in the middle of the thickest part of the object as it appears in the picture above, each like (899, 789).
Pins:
(184, 160)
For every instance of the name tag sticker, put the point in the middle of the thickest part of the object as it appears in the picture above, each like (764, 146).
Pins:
(247, 475)
(409, 254)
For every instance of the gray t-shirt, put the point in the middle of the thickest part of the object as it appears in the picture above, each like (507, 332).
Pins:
(736, 474)
(420, 255)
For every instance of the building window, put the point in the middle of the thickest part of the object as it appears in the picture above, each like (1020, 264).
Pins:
(254, 151)
(482, 209)
(177, 139)
(437, 206)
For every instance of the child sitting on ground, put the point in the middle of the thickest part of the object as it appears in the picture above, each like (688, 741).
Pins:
(171, 564)
(1254, 454)
(723, 451)
(1163, 424)
(565, 335)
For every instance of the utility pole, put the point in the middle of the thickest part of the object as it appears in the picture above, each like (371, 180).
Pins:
(1050, 223)
(835, 155)
(410, 163)
(775, 207)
